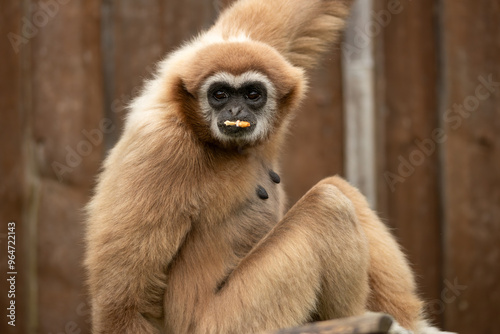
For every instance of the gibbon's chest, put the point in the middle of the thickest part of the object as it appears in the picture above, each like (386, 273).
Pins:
(250, 212)
(242, 195)
(211, 251)
(257, 214)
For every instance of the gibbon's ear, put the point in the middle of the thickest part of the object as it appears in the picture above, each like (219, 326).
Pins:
(186, 105)
(178, 91)
(293, 93)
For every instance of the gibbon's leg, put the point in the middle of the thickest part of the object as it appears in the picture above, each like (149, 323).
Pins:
(314, 262)
(392, 285)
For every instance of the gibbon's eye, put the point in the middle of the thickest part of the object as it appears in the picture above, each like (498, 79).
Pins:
(220, 95)
(253, 95)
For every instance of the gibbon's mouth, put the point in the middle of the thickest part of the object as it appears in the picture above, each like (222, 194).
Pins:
(236, 127)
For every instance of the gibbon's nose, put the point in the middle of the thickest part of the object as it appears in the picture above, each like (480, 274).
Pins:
(235, 111)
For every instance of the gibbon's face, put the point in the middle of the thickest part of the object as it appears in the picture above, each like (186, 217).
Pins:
(239, 109)
(238, 93)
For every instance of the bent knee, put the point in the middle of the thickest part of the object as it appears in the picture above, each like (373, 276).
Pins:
(329, 193)
(348, 190)
(329, 200)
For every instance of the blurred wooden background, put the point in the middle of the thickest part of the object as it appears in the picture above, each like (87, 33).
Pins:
(69, 66)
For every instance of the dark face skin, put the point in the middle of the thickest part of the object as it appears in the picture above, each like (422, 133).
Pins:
(230, 104)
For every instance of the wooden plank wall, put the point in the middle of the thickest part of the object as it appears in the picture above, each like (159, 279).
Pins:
(64, 109)
(316, 132)
(12, 162)
(407, 115)
(438, 147)
(136, 36)
(470, 113)
(63, 97)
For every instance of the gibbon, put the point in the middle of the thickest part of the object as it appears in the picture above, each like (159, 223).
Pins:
(186, 231)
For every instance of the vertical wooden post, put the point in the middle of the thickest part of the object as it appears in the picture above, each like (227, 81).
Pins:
(358, 80)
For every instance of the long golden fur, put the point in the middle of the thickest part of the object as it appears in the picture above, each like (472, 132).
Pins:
(177, 239)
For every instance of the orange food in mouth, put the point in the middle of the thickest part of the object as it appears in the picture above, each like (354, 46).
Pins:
(239, 124)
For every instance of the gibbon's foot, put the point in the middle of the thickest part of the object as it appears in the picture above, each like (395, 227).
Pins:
(398, 329)
(423, 329)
